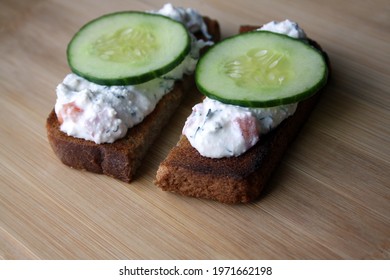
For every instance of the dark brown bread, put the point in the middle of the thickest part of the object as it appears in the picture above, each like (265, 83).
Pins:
(121, 158)
(235, 179)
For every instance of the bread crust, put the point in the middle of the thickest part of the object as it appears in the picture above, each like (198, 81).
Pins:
(234, 179)
(121, 158)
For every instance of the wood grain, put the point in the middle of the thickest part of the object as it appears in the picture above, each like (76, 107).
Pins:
(328, 199)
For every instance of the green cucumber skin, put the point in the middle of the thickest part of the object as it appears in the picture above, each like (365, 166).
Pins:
(131, 80)
(268, 103)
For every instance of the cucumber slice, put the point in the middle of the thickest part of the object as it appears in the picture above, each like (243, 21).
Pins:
(261, 69)
(128, 48)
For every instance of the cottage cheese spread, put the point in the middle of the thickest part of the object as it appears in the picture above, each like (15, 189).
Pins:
(104, 114)
(188, 16)
(219, 130)
(286, 27)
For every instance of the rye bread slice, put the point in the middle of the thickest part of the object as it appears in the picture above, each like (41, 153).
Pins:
(235, 179)
(121, 158)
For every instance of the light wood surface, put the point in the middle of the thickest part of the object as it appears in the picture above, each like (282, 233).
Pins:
(328, 199)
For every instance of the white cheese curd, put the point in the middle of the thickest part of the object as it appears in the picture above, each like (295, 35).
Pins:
(188, 16)
(104, 114)
(219, 130)
(286, 27)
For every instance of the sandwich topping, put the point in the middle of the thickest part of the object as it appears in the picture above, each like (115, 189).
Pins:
(286, 27)
(220, 130)
(104, 113)
(230, 123)
(101, 112)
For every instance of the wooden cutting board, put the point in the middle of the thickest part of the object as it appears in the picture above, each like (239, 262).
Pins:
(328, 199)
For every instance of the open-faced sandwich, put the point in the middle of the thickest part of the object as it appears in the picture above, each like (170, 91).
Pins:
(130, 70)
(260, 88)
